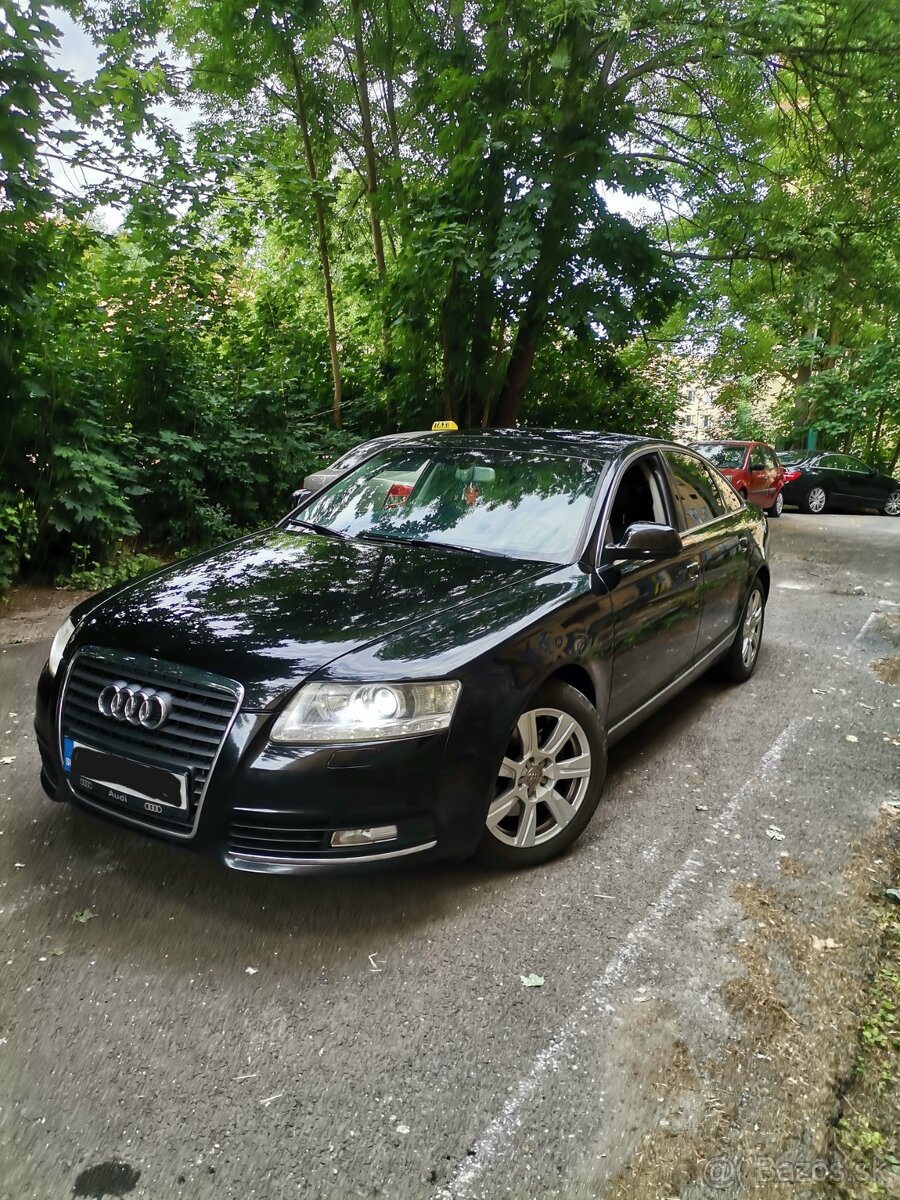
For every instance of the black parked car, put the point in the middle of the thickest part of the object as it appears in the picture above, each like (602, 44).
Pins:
(433, 670)
(829, 480)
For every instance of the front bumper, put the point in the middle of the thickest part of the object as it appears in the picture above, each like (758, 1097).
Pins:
(273, 808)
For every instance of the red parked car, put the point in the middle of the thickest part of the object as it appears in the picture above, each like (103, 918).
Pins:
(752, 468)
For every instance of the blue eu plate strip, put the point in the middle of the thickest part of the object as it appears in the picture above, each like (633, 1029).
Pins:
(68, 747)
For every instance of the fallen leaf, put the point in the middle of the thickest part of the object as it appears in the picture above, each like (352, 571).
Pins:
(251, 970)
(775, 833)
(702, 807)
(18, 865)
(532, 980)
(825, 944)
(403, 1129)
(851, 737)
(7, 760)
(84, 916)
(57, 951)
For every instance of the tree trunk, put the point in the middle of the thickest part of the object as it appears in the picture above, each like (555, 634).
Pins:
(570, 168)
(322, 229)
(480, 382)
(365, 115)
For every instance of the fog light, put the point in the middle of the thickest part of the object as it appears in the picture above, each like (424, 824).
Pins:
(364, 837)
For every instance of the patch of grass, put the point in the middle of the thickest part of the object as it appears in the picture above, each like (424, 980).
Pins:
(868, 1130)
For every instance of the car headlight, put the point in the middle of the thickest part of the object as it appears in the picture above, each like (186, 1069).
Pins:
(365, 712)
(60, 642)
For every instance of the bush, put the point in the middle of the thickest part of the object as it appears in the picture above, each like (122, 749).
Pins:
(18, 531)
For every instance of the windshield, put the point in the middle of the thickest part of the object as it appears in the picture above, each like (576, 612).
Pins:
(787, 458)
(725, 457)
(521, 504)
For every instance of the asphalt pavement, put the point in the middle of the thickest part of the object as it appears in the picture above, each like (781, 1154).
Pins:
(172, 1029)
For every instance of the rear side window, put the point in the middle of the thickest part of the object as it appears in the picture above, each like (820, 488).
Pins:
(696, 490)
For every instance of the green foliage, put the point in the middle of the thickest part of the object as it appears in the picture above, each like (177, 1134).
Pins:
(89, 575)
(18, 529)
(386, 215)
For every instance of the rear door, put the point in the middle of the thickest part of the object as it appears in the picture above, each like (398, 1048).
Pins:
(761, 477)
(861, 487)
(712, 526)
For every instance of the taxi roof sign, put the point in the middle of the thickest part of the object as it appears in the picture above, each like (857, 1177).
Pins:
(440, 426)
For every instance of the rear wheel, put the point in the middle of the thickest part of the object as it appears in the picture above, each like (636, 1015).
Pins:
(740, 661)
(815, 500)
(549, 781)
(892, 504)
(778, 507)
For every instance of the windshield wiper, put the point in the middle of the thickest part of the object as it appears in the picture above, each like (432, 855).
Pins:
(315, 527)
(397, 540)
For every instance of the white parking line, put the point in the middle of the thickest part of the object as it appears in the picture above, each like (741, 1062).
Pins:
(597, 998)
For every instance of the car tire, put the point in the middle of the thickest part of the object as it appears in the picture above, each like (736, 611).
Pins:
(549, 781)
(777, 508)
(892, 504)
(743, 654)
(815, 500)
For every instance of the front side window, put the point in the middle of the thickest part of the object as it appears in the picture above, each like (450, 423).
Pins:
(848, 463)
(696, 490)
(531, 505)
(639, 497)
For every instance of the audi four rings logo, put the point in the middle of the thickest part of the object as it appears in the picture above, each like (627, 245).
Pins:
(136, 705)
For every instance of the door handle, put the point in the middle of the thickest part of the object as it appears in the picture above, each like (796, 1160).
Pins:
(693, 570)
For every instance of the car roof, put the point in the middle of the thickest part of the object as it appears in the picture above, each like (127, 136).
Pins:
(582, 442)
(728, 442)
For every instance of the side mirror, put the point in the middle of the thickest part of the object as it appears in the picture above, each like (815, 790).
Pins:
(299, 496)
(646, 539)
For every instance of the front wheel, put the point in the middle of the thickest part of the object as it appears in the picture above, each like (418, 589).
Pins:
(777, 508)
(549, 781)
(815, 500)
(741, 659)
(892, 504)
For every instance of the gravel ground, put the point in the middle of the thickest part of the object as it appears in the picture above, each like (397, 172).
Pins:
(170, 1029)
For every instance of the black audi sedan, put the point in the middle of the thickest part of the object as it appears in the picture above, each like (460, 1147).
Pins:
(822, 481)
(428, 658)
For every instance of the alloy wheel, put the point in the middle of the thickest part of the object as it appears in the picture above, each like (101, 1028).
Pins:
(752, 628)
(779, 504)
(816, 499)
(543, 779)
(892, 505)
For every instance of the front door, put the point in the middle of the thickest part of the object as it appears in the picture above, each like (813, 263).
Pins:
(656, 605)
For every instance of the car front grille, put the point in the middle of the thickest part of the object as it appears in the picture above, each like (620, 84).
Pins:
(284, 836)
(203, 706)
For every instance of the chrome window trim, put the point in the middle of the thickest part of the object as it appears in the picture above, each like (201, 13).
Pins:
(235, 691)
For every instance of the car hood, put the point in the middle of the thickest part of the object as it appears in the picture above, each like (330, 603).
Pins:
(273, 608)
